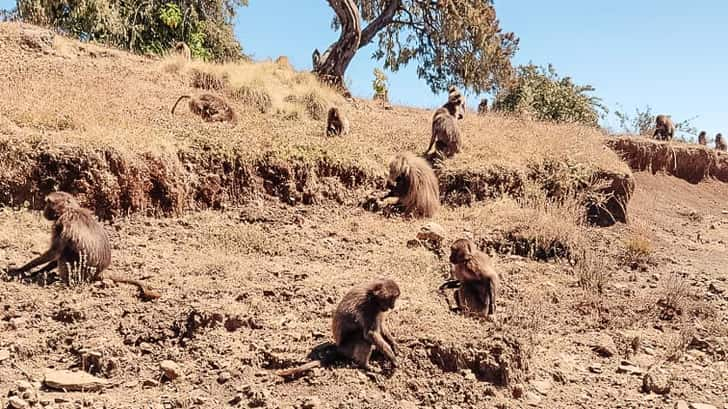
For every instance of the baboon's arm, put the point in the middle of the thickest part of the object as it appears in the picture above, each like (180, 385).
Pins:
(432, 143)
(50, 255)
(390, 201)
(389, 338)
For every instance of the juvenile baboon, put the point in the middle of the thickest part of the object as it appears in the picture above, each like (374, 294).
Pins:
(483, 106)
(336, 123)
(702, 138)
(720, 143)
(475, 276)
(413, 185)
(445, 132)
(182, 50)
(210, 107)
(664, 128)
(358, 326)
(79, 245)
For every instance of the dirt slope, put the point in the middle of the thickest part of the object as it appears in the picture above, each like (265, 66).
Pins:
(251, 287)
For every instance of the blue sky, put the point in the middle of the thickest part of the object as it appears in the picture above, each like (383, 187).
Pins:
(669, 54)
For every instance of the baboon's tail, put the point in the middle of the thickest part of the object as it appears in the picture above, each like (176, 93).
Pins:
(178, 100)
(147, 293)
(291, 372)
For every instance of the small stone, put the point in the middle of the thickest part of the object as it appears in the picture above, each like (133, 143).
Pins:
(595, 368)
(223, 377)
(533, 399)
(312, 402)
(72, 381)
(605, 346)
(18, 322)
(432, 231)
(170, 369)
(16, 402)
(468, 374)
(405, 404)
(543, 387)
(146, 348)
(233, 324)
(45, 402)
(656, 382)
(150, 383)
(695, 405)
(235, 400)
(629, 369)
(716, 288)
(23, 386)
(4, 354)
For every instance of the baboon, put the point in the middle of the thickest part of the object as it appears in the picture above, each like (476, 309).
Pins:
(336, 123)
(358, 326)
(720, 143)
(413, 185)
(664, 128)
(445, 131)
(475, 276)
(79, 245)
(210, 107)
(483, 106)
(702, 138)
(182, 50)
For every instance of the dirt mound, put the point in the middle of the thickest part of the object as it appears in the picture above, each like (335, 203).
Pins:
(693, 163)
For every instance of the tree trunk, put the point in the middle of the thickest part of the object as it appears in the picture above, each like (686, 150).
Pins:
(333, 64)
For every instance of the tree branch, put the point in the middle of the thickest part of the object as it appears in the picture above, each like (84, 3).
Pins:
(383, 20)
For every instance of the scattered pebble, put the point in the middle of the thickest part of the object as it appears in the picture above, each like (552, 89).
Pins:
(694, 405)
(543, 387)
(223, 377)
(312, 402)
(4, 354)
(170, 369)
(629, 369)
(72, 381)
(16, 402)
(595, 368)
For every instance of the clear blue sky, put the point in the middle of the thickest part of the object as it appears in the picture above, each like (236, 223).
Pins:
(669, 54)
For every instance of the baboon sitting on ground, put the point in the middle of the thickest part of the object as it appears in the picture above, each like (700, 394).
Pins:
(358, 327)
(475, 276)
(210, 107)
(445, 132)
(702, 138)
(413, 185)
(336, 124)
(483, 106)
(79, 246)
(720, 144)
(664, 128)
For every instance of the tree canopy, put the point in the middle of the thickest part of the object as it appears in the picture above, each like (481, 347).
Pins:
(146, 26)
(540, 93)
(454, 42)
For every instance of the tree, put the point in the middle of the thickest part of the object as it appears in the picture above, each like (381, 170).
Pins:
(455, 42)
(540, 93)
(146, 26)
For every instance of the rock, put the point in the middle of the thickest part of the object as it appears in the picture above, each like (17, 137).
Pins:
(150, 383)
(18, 322)
(235, 400)
(716, 288)
(604, 346)
(72, 381)
(533, 399)
(223, 377)
(405, 404)
(543, 387)
(23, 386)
(517, 391)
(170, 369)
(312, 402)
(432, 232)
(656, 382)
(37, 39)
(4, 354)
(629, 369)
(694, 405)
(595, 368)
(468, 374)
(233, 324)
(16, 402)
(146, 348)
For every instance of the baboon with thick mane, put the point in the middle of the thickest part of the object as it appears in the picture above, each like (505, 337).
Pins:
(413, 185)
(664, 128)
(445, 132)
(210, 107)
(475, 276)
(720, 144)
(336, 123)
(702, 138)
(79, 244)
(358, 326)
(183, 50)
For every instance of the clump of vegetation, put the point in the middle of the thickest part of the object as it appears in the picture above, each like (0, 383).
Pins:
(253, 96)
(208, 80)
(638, 248)
(380, 84)
(144, 26)
(674, 296)
(539, 93)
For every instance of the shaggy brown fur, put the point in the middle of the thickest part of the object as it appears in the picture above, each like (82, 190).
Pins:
(445, 132)
(483, 106)
(664, 128)
(210, 107)
(336, 124)
(78, 242)
(358, 326)
(703, 138)
(473, 272)
(413, 185)
(182, 50)
(720, 143)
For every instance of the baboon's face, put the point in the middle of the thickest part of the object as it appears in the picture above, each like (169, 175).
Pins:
(56, 204)
(460, 252)
(386, 295)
